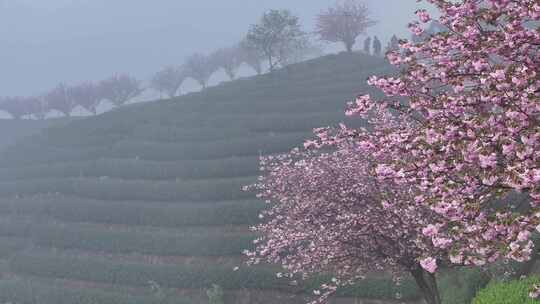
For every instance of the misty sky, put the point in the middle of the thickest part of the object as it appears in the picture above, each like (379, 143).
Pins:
(44, 42)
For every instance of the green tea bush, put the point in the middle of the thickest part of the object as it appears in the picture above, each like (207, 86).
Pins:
(10, 246)
(215, 294)
(513, 292)
(115, 190)
(159, 242)
(297, 105)
(131, 274)
(306, 88)
(57, 138)
(211, 150)
(28, 292)
(22, 156)
(195, 276)
(138, 169)
(174, 133)
(72, 209)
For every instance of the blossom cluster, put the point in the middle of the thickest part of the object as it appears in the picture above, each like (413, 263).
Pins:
(330, 213)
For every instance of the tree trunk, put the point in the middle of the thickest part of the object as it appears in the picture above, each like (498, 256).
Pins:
(271, 63)
(349, 46)
(258, 69)
(427, 282)
(230, 73)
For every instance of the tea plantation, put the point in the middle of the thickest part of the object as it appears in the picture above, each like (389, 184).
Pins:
(144, 204)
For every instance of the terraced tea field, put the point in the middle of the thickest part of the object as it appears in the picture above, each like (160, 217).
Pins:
(144, 204)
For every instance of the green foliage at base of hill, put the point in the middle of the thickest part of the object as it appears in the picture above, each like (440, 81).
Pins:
(513, 292)
(461, 285)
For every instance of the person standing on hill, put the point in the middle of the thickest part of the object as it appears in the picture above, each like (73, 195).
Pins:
(367, 45)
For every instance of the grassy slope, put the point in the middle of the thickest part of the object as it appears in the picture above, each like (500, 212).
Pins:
(163, 179)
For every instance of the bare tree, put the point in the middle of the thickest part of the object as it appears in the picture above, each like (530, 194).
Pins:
(367, 45)
(169, 80)
(229, 59)
(60, 99)
(252, 57)
(344, 22)
(277, 33)
(200, 67)
(120, 89)
(87, 95)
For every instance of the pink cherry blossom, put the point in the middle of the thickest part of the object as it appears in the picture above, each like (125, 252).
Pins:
(487, 161)
(424, 16)
(523, 236)
(430, 230)
(429, 264)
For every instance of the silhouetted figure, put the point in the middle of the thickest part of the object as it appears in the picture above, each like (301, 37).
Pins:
(367, 45)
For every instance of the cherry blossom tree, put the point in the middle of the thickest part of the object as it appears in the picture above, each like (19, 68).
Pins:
(457, 131)
(87, 95)
(470, 133)
(36, 106)
(60, 99)
(252, 57)
(200, 67)
(169, 80)
(344, 22)
(120, 88)
(278, 35)
(14, 106)
(229, 59)
(330, 213)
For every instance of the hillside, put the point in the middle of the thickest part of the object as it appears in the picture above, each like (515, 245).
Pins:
(144, 204)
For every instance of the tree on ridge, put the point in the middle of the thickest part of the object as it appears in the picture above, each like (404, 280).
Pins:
(344, 22)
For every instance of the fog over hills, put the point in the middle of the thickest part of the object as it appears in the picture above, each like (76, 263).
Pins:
(42, 42)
